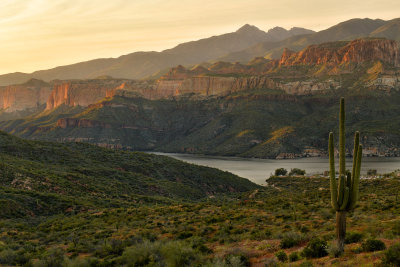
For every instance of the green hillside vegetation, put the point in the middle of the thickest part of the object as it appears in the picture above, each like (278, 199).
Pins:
(292, 215)
(41, 178)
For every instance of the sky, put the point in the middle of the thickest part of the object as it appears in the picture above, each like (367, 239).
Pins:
(41, 34)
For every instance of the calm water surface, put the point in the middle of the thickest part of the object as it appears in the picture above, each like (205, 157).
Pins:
(257, 170)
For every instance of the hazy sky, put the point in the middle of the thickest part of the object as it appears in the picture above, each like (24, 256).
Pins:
(40, 34)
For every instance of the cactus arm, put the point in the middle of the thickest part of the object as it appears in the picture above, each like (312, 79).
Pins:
(342, 139)
(355, 151)
(345, 199)
(332, 173)
(348, 180)
(341, 189)
(356, 182)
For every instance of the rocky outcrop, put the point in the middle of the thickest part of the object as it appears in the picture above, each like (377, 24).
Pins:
(357, 51)
(308, 87)
(32, 94)
(81, 93)
(210, 85)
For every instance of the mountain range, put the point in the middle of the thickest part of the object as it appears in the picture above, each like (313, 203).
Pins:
(139, 65)
(243, 45)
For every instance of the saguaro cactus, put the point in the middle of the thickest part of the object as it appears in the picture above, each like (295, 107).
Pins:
(344, 196)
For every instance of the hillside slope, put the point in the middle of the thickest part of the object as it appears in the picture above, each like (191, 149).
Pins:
(45, 178)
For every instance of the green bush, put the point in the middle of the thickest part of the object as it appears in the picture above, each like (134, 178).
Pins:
(373, 245)
(396, 228)
(280, 172)
(143, 254)
(297, 171)
(334, 250)
(52, 257)
(353, 237)
(8, 257)
(392, 256)
(173, 253)
(294, 256)
(306, 264)
(316, 248)
(290, 239)
(281, 256)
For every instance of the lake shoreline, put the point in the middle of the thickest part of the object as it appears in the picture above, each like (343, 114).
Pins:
(259, 170)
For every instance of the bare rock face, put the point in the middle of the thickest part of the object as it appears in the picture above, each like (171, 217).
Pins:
(357, 51)
(81, 93)
(209, 85)
(32, 94)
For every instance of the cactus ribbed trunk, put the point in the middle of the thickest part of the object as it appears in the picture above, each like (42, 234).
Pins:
(340, 229)
(344, 195)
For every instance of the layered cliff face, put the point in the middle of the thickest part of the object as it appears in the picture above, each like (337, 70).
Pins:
(24, 96)
(357, 51)
(81, 93)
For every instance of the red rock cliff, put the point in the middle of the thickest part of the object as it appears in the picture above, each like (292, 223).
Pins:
(24, 96)
(335, 53)
(81, 93)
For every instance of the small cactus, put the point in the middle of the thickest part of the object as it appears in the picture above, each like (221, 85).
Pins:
(344, 196)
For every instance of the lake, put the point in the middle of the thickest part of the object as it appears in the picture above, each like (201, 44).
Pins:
(257, 170)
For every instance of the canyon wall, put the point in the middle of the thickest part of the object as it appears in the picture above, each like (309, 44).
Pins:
(80, 93)
(21, 97)
(358, 51)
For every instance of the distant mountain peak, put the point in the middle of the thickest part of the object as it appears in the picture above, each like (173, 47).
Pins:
(277, 29)
(35, 82)
(247, 28)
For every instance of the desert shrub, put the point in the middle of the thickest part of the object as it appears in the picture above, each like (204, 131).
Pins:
(294, 256)
(316, 248)
(143, 254)
(178, 254)
(237, 255)
(281, 256)
(79, 262)
(353, 237)
(173, 253)
(306, 264)
(334, 250)
(52, 257)
(392, 256)
(8, 257)
(290, 239)
(372, 245)
(396, 228)
(297, 171)
(271, 263)
(281, 172)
